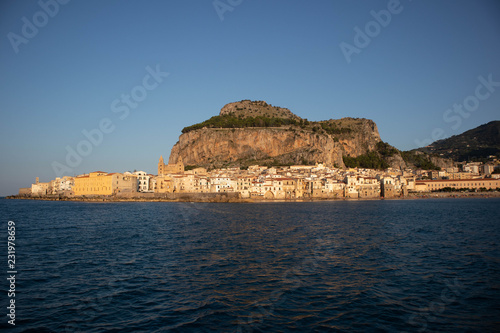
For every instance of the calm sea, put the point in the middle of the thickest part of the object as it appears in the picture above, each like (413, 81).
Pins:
(346, 266)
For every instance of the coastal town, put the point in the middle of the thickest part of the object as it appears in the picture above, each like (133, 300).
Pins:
(256, 182)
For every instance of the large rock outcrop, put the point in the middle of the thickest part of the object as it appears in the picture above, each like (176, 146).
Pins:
(301, 143)
(217, 148)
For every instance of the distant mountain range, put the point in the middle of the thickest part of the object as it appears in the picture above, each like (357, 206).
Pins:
(477, 144)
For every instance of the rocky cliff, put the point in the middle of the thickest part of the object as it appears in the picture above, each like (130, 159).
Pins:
(216, 148)
(299, 142)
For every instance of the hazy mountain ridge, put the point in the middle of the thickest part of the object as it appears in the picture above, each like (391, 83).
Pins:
(475, 144)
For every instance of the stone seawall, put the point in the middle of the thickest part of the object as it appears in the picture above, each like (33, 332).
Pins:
(197, 197)
(174, 197)
(235, 197)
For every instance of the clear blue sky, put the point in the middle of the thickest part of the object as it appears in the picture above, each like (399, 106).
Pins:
(71, 74)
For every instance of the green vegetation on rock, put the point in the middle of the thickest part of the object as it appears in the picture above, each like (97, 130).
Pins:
(374, 159)
(332, 128)
(419, 160)
(386, 149)
(230, 121)
(371, 160)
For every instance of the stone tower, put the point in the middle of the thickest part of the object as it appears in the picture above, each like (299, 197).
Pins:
(164, 169)
(161, 166)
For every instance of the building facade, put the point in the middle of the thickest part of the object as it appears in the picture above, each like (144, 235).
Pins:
(473, 184)
(142, 181)
(102, 183)
(165, 169)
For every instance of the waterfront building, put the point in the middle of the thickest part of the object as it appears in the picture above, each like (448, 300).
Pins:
(351, 187)
(95, 183)
(387, 187)
(142, 181)
(62, 185)
(314, 188)
(25, 191)
(39, 189)
(103, 183)
(260, 182)
(190, 183)
(222, 183)
(163, 184)
(257, 189)
(243, 185)
(273, 188)
(202, 184)
(333, 188)
(368, 187)
(289, 187)
(473, 184)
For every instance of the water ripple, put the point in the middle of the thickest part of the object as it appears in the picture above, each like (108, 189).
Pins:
(387, 266)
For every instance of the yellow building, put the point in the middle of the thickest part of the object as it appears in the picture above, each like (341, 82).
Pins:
(164, 169)
(96, 183)
(103, 183)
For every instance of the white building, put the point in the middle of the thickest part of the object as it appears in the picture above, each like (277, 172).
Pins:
(61, 185)
(39, 188)
(142, 181)
(222, 183)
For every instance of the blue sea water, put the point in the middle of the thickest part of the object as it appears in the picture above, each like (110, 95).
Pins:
(342, 266)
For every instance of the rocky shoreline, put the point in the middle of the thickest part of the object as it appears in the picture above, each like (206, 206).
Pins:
(235, 198)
